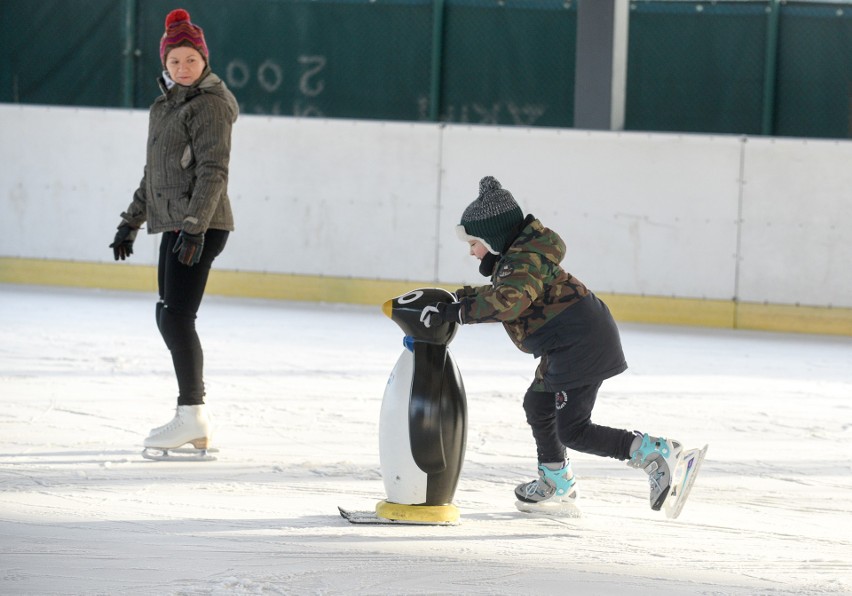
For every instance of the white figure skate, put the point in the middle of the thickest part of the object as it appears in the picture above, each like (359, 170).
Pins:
(190, 425)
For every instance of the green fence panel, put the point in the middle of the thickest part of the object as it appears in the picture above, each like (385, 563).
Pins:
(345, 59)
(67, 52)
(509, 62)
(741, 66)
(696, 66)
(814, 89)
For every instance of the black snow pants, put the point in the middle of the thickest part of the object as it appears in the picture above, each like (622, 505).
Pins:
(564, 419)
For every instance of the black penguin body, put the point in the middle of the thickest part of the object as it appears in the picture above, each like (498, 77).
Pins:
(423, 425)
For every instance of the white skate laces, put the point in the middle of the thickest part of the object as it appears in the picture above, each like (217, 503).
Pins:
(154, 431)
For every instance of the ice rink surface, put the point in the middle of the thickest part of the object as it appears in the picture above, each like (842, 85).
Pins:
(295, 391)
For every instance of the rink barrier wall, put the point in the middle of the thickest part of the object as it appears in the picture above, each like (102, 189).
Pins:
(305, 288)
(685, 229)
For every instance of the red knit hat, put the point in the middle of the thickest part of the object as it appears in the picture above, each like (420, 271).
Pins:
(180, 29)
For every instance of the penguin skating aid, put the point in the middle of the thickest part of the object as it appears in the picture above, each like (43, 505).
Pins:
(423, 421)
(439, 515)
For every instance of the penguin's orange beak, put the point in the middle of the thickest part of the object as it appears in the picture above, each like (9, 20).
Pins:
(387, 308)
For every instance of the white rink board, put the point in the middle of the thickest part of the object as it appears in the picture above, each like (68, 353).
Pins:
(313, 197)
(640, 214)
(66, 175)
(797, 222)
(334, 197)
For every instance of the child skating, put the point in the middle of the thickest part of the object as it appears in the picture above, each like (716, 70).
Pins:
(552, 315)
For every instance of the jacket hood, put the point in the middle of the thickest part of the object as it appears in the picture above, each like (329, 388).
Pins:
(213, 84)
(534, 237)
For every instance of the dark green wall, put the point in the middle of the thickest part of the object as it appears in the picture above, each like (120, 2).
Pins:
(746, 67)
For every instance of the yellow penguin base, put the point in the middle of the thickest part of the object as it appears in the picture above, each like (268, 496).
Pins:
(419, 514)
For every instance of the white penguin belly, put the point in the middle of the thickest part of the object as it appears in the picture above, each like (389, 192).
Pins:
(405, 483)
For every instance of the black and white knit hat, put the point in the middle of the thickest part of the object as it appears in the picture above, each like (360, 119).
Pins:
(491, 218)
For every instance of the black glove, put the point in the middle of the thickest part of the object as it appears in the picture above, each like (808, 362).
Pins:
(435, 314)
(188, 248)
(122, 246)
(465, 292)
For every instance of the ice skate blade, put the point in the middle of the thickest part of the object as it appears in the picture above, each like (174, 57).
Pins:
(179, 454)
(557, 509)
(683, 478)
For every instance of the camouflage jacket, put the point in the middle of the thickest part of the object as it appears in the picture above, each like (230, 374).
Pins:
(528, 288)
(185, 182)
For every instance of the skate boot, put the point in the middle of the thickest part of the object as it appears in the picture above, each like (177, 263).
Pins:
(191, 424)
(658, 456)
(553, 492)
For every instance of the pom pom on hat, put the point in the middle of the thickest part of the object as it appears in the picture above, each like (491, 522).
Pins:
(180, 29)
(492, 217)
(176, 15)
(488, 184)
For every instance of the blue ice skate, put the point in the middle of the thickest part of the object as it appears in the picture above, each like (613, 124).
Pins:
(554, 492)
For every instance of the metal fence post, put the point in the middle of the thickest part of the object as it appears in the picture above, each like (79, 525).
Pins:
(129, 53)
(769, 74)
(437, 56)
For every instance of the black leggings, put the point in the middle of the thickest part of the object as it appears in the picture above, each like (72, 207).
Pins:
(181, 290)
(564, 419)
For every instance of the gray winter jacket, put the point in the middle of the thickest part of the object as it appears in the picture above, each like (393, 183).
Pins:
(185, 182)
